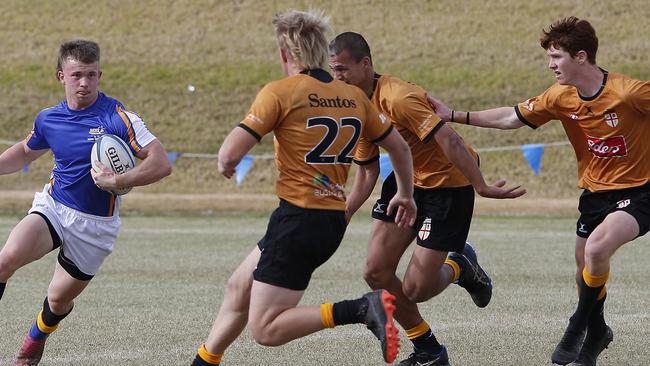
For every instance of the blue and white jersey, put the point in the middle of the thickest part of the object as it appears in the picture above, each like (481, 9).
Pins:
(70, 135)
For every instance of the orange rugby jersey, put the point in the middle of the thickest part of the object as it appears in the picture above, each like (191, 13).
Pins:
(406, 106)
(317, 122)
(610, 132)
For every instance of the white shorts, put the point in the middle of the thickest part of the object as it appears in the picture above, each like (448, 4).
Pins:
(86, 239)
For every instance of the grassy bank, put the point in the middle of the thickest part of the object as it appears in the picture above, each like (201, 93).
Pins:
(473, 54)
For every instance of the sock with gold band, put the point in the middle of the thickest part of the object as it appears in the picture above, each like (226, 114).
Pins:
(327, 315)
(423, 338)
(349, 311)
(46, 322)
(205, 358)
(2, 289)
(591, 288)
(454, 267)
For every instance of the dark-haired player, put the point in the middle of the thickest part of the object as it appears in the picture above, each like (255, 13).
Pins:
(606, 117)
(446, 173)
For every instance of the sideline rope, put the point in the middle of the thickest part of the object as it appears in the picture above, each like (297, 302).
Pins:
(271, 156)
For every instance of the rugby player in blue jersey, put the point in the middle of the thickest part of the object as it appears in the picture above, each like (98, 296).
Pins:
(74, 212)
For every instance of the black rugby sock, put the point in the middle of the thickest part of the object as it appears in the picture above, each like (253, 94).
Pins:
(198, 361)
(427, 343)
(350, 311)
(596, 325)
(590, 288)
(49, 318)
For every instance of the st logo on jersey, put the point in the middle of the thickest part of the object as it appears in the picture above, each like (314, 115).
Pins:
(611, 118)
(425, 229)
(530, 104)
(609, 147)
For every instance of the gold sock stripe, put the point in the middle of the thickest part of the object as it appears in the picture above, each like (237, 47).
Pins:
(455, 267)
(44, 327)
(594, 281)
(327, 315)
(209, 357)
(418, 330)
(602, 293)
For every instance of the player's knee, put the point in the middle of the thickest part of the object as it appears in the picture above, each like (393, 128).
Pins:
(376, 277)
(415, 292)
(238, 292)
(266, 336)
(9, 264)
(59, 304)
(596, 254)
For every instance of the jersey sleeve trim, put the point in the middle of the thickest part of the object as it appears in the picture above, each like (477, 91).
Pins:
(366, 162)
(129, 128)
(251, 131)
(428, 137)
(383, 136)
(523, 119)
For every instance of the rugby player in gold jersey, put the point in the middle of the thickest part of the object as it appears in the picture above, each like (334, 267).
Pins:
(606, 117)
(316, 122)
(446, 173)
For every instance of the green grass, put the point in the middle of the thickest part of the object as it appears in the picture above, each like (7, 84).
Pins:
(155, 298)
(472, 54)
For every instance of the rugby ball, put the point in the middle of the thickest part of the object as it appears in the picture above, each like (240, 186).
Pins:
(113, 152)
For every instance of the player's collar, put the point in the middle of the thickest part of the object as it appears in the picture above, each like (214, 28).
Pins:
(375, 80)
(600, 90)
(318, 74)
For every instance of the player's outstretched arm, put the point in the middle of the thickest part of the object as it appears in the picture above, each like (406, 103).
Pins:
(364, 182)
(234, 147)
(154, 166)
(400, 157)
(503, 118)
(456, 151)
(17, 156)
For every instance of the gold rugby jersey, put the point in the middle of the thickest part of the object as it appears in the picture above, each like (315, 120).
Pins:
(317, 122)
(406, 106)
(610, 131)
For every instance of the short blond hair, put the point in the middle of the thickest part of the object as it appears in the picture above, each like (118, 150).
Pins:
(303, 35)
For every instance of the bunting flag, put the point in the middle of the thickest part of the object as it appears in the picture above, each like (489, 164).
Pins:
(533, 154)
(172, 156)
(25, 168)
(385, 166)
(242, 168)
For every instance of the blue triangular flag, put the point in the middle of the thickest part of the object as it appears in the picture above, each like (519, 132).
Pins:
(242, 168)
(172, 156)
(385, 166)
(533, 154)
(25, 168)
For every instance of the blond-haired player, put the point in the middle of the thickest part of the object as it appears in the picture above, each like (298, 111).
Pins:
(317, 122)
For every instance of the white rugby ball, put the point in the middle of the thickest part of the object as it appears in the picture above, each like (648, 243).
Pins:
(113, 152)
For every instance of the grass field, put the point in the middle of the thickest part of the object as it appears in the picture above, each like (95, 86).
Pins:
(157, 295)
(472, 54)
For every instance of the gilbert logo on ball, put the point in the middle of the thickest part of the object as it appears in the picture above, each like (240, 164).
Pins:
(113, 152)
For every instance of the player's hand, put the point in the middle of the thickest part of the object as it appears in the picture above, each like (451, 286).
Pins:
(406, 210)
(103, 176)
(228, 173)
(440, 108)
(498, 190)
